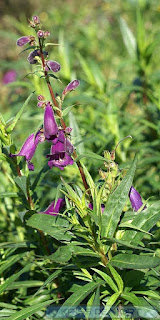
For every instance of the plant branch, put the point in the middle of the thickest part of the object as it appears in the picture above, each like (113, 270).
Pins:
(59, 113)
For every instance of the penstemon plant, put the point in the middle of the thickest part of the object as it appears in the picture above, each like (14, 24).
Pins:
(89, 252)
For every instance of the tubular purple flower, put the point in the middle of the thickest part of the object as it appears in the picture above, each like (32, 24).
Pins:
(135, 199)
(60, 152)
(28, 149)
(71, 86)
(53, 209)
(36, 53)
(50, 125)
(24, 40)
(53, 65)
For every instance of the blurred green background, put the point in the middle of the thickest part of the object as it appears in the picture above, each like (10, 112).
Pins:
(113, 48)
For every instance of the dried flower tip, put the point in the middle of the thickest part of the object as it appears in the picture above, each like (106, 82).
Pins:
(24, 40)
(41, 97)
(40, 34)
(53, 65)
(71, 86)
(36, 19)
(46, 34)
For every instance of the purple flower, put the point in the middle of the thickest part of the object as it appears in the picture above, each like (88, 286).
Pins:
(50, 125)
(53, 65)
(36, 53)
(71, 86)
(31, 58)
(24, 40)
(102, 206)
(9, 76)
(60, 152)
(53, 209)
(135, 199)
(46, 34)
(28, 149)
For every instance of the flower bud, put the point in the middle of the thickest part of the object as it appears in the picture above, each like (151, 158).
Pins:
(53, 65)
(71, 86)
(40, 34)
(41, 97)
(36, 19)
(24, 40)
(46, 34)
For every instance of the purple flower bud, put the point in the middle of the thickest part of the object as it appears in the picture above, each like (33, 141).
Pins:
(40, 34)
(41, 104)
(102, 206)
(28, 149)
(9, 76)
(135, 199)
(71, 86)
(46, 34)
(36, 19)
(53, 209)
(68, 130)
(60, 152)
(53, 65)
(24, 40)
(50, 125)
(41, 97)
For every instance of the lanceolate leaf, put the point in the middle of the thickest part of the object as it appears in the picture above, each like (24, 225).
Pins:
(27, 312)
(55, 226)
(116, 202)
(109, 304)
(75, 299)
(11, 126)
(145, 220)
(133, 261)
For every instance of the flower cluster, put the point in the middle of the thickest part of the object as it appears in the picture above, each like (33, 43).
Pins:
(61, 147)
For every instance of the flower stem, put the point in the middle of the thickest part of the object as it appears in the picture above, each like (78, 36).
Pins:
(59, 113)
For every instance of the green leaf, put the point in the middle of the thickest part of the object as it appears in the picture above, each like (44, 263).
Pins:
(128, 38)
(116, 203)
(10, 127)
(133, 261)
(53, 276)
(27, 312)
(62, 254)
(9, 281)
(116, 277)
(21, 182)
(8, 195)
(75, 299)
(68, 109)
(9, 262)
(131, 297)
(144, 220)
(108, 279)
(109, 304)
(75, 131)
(55, 226)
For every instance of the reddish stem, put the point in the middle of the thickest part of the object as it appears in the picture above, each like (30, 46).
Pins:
(61, 119)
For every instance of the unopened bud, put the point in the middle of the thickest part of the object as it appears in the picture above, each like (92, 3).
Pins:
(53, 65)
(40, 34)
(36, 19)
(71, 86)
(40, 97)
(46, 34)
